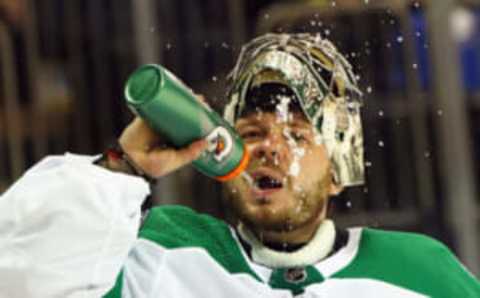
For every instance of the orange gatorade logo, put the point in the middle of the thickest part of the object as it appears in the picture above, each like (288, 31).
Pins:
(220, 143)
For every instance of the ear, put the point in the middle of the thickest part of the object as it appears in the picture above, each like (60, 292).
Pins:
(335, 188)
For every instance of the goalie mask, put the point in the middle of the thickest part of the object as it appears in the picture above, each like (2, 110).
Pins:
(323, 83)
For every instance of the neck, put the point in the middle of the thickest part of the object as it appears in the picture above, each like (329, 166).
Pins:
(289, 239)
(318, 248)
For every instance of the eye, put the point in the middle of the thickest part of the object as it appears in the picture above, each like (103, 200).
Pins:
(251, 134)
(299, 137)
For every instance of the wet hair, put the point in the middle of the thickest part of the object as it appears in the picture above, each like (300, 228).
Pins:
(266, 96)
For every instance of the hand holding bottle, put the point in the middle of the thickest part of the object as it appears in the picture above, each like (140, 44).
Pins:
(148, 151)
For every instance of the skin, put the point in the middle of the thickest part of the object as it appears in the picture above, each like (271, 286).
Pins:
(289, 216)
(292, 214)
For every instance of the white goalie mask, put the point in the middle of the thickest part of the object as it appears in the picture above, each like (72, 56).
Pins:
(322, 81)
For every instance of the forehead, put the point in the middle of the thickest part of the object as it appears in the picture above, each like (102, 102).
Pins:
(270, 118)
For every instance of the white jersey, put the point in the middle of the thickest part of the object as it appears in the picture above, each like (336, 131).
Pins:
(67, 227)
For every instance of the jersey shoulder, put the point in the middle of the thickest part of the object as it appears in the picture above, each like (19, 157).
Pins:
(174, 226)
(413, 261)
(178, 227)
(404, 246)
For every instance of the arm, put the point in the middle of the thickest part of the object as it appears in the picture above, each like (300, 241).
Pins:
(66, 228)
(67, 225)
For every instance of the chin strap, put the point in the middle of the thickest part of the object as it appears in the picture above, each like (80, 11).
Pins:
(314, 251)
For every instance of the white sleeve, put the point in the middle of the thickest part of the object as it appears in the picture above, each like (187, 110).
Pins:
(66, 228)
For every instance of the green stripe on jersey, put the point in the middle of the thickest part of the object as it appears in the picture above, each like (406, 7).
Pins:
(178, 227)
(411, 261)
(116, 291)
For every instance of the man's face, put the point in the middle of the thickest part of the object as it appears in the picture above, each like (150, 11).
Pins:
(290, 169)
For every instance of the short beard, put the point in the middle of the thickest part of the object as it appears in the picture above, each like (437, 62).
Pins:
(314, 206)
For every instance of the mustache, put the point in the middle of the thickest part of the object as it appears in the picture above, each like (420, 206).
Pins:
(256, 163)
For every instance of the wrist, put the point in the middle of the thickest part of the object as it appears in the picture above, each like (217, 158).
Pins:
(116, 160)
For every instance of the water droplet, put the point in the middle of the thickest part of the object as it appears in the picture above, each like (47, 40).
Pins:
(400, 39)
(214, 78)
(349, 204)
(418, 33)
(206, 44)
(368, 164)
(416, 4)
(414, 65)
(365, 190)
(427, 154)
(440, 112)
(248, 178)
(366, 1)
(318, 139)
(334, 3)
(168, 46)
(389, 45)
(381, 144)
(327, 32)
(225, 45)
(266, 16)
(369, 89)
(313, 23)
(381, 113)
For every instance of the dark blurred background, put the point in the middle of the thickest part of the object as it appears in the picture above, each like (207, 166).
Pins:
(63, 65)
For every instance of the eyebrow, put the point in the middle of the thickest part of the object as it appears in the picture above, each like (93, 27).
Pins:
(258, 124)
(247, 123)
(301, 124)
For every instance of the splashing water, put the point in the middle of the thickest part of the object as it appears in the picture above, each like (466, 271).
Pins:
(248, 179)
(318, 139)
(298, 153)
(282, 108)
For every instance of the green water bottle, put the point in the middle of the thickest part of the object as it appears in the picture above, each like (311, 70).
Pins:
(171, 109)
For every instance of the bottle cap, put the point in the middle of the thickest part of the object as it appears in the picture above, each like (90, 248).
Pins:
(143, 84)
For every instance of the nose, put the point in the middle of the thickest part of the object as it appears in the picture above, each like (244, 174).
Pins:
(273, 148)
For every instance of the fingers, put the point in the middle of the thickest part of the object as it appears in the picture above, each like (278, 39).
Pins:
(144, 146)
(192, 151)
(161, 162)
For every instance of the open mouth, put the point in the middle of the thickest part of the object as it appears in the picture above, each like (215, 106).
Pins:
(265, 182)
